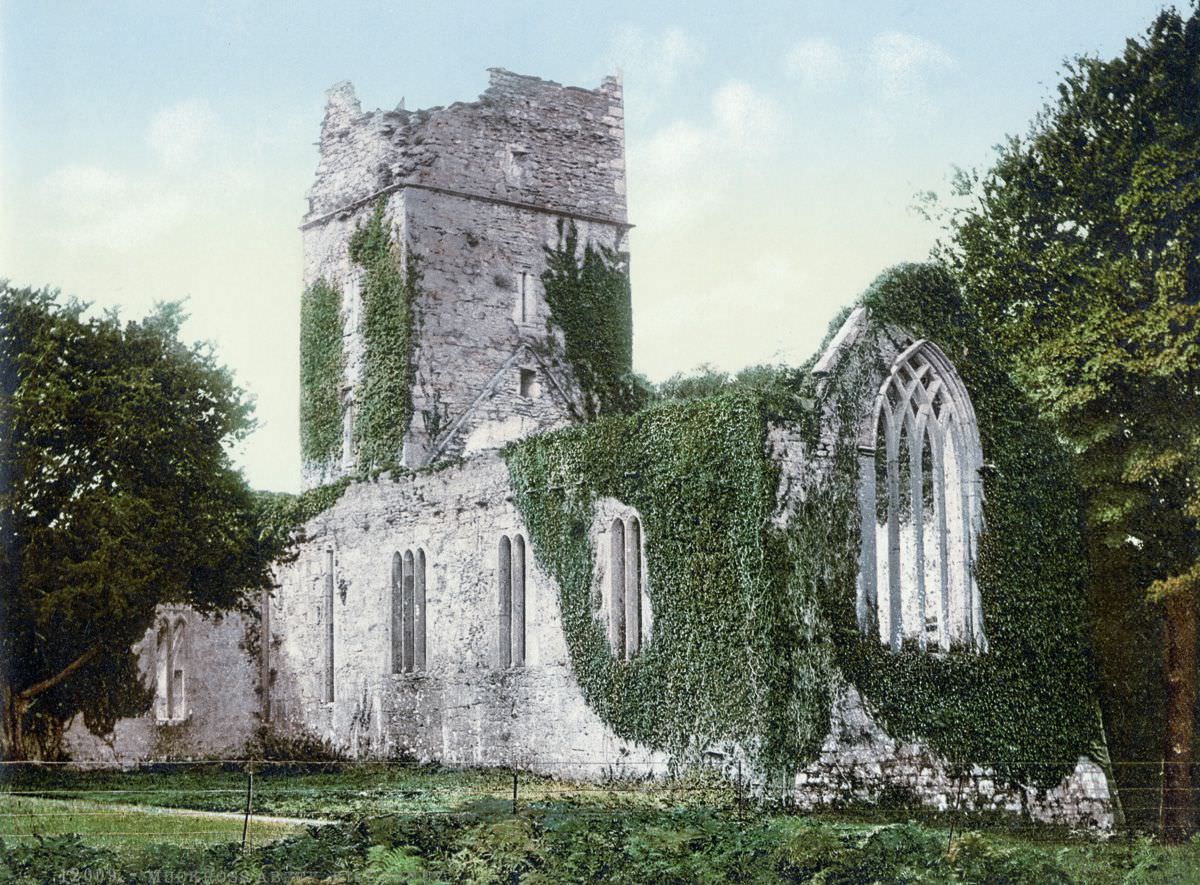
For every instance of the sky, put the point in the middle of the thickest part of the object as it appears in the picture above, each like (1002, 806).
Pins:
(155, 151)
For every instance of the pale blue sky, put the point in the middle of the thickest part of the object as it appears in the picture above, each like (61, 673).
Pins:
(157, 151)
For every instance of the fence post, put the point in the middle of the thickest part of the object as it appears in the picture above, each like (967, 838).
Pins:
(249, 804)
(740, 798)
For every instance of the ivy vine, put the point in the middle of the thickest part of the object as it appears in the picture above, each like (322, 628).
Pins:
(754, 625)
(322, 368)
(589, 299)
(734, 655)
(384, 403)
(1026, 708)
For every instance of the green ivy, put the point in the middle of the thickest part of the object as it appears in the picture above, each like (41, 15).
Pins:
(1026, 707)
(737, 654)
(384, 404)
(589, 300)
(754, 625)
(321, 373)
(281, 514)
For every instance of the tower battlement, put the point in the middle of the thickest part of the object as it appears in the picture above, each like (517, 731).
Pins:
(472, 196)
(526, 140)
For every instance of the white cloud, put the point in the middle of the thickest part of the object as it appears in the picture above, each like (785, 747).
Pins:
(900, 62)
(746, 119)
(98, 207)
(817, 63)
(894, 74)
(114, 210)
(179, 135)
(685, 164)
(657, 59)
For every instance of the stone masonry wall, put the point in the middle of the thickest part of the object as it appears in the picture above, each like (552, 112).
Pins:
(463, 707)
(860, 762)
(525, 140)
(474, 192)
(220, 664)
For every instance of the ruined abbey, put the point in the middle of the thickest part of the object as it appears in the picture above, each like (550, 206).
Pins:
(512, 566)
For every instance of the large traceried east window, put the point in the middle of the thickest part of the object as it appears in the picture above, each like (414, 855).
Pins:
(920, 500)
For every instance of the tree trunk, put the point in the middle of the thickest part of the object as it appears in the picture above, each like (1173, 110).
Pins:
(1178, 809)
(14, 718)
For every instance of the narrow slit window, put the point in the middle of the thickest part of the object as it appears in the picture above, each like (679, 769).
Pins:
(327, 693)
(408, 592)
(525, 303)
(419, 612)
(518, 602)
(527, 382)
(397, 613)
(504, 574)
(510, 570)
(616, 625)
(633, 588)
(177, 696)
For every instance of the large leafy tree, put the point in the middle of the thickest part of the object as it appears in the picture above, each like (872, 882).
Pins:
(1081, 251)
(116, 495)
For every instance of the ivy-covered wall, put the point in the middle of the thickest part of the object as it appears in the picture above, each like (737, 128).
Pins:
(321, 374)
(589, 300)
(754, 623)
(1025, 708)
(383, 404)
(737, 653)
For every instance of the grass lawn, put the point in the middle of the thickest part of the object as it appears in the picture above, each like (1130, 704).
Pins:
(397, 824)
(352, 791)
(24, 818)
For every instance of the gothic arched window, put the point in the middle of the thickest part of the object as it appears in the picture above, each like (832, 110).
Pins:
(920, 499)
(623, 601)
(171, 670)
(408, 611)
(510, 570)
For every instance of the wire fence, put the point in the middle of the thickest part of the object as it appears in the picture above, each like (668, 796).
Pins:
(169, 798)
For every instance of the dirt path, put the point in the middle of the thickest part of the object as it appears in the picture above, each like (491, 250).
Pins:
(193, 812)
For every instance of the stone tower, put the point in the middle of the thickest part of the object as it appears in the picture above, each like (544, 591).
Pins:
(471, 196)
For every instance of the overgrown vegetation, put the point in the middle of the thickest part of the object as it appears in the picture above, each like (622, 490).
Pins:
(322, 366)
(1026, 707)
(402, 825)
(588, 296)
(384, 405)
(754, 626)
(116, 495)
(1080, 250)
(735, 655)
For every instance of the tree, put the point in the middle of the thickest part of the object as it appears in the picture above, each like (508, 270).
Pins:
(116, 496)
(1081, 252)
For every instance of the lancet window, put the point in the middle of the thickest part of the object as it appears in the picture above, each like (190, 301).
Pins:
(625, 593)
(408, 611)
(510, 570)
(171, 670)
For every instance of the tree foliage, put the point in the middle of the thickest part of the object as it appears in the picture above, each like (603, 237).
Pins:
(1081, 254)
(118, 495)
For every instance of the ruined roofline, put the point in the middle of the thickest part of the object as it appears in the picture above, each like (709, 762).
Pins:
(344, 94)
(401, 147)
